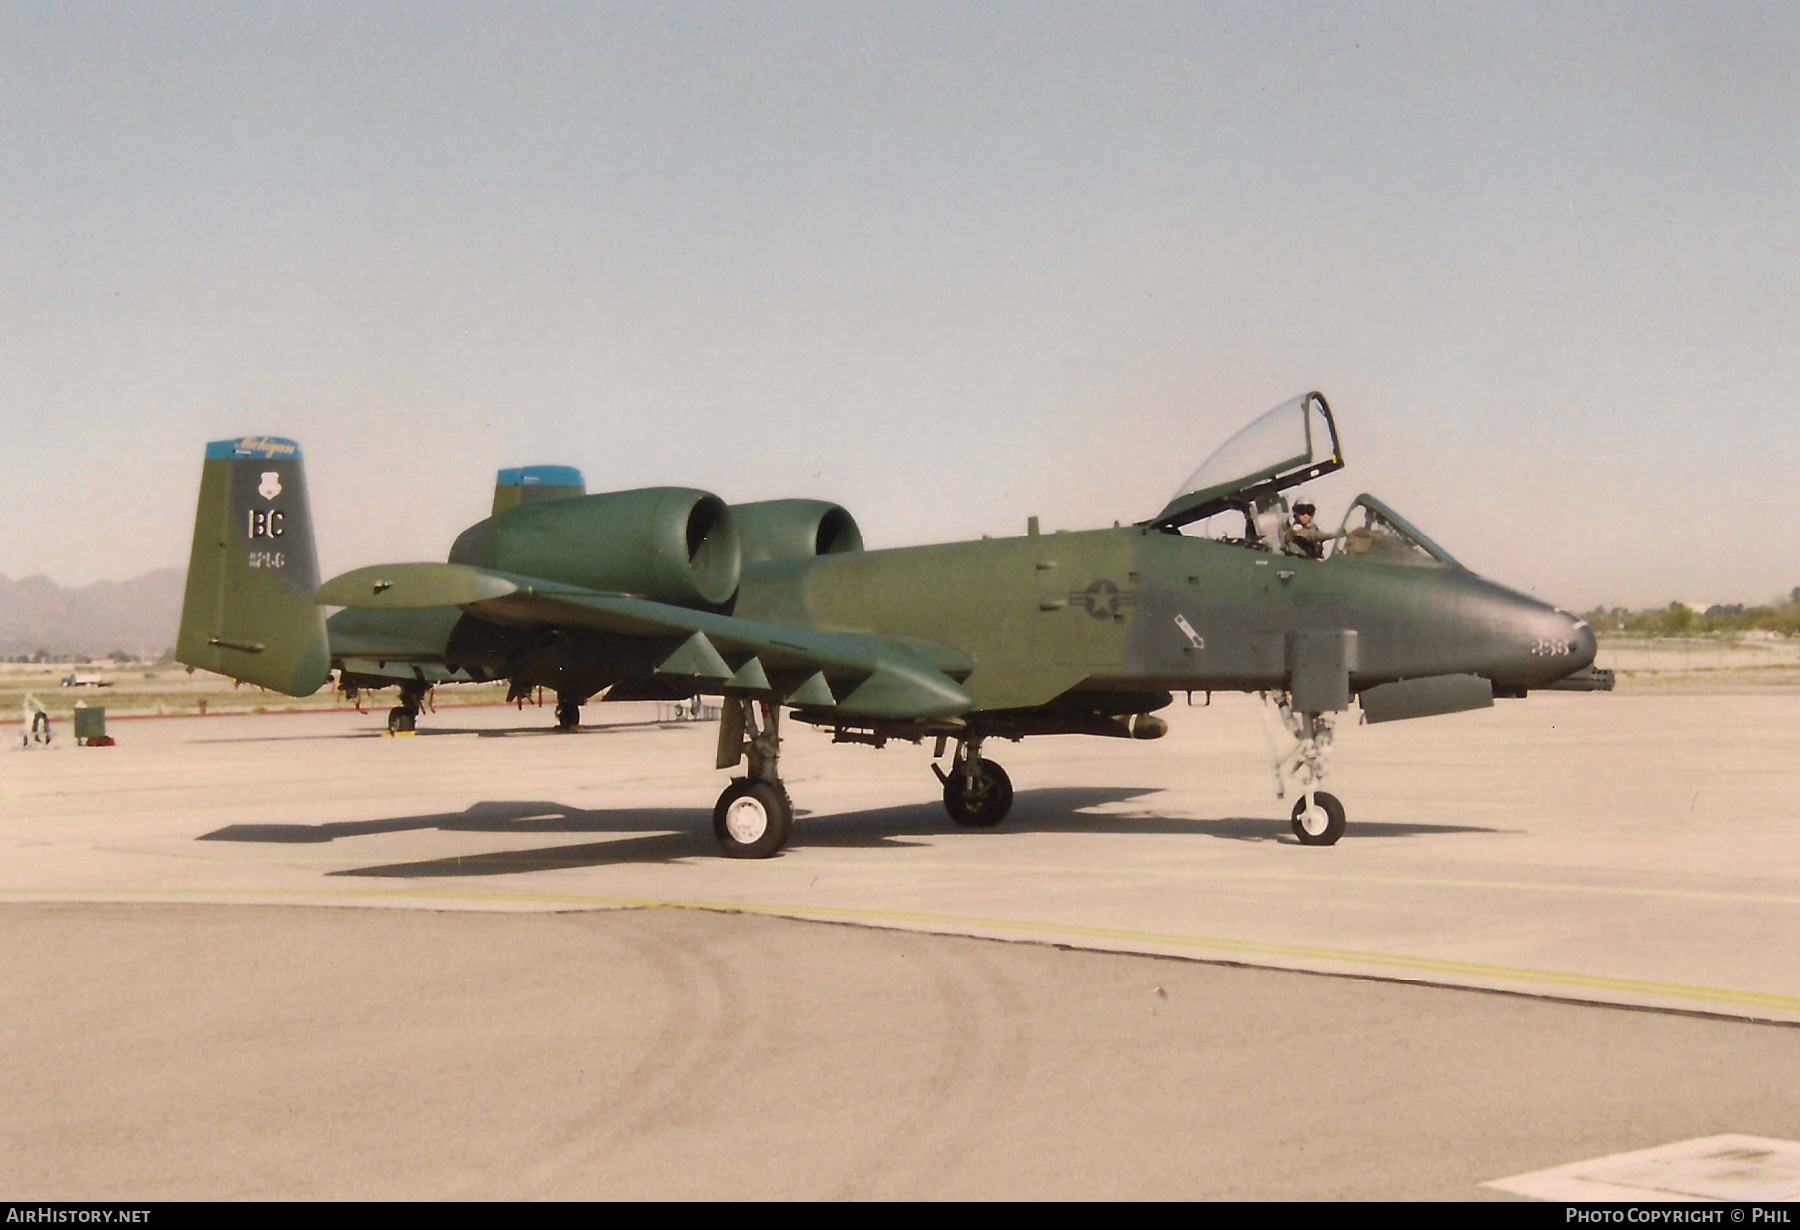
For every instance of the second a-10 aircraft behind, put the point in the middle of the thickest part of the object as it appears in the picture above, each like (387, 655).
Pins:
(670, 592)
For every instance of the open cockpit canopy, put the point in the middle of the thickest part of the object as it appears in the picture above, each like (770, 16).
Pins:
(1294, 443)
(1238, 491)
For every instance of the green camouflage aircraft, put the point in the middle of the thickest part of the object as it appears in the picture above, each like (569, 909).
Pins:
(669, 592)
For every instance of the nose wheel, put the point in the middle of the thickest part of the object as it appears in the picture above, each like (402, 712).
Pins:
(1318, 819)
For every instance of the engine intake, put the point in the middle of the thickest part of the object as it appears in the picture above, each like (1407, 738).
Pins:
(794, 529)
(668, 544)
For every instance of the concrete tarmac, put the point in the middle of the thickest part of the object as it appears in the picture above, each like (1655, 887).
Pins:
(1629, 850)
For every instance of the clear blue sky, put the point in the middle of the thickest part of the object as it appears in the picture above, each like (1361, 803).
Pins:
(951, 265)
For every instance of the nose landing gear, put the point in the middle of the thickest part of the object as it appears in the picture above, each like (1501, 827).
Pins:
(1319, 822)
(1318, 818)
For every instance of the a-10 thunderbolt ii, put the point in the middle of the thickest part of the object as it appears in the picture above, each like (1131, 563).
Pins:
(670, 592)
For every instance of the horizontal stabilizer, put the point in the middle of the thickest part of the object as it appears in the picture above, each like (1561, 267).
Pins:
(411, 587)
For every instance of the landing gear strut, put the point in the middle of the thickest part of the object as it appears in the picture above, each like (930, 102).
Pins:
(977, 792)
(403, 718)
(568, 712)
(754, 816)
(1318, 817)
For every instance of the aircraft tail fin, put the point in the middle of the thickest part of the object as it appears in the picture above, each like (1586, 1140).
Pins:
(530, 484)
(248, 611)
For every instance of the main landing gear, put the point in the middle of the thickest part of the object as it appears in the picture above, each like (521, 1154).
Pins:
(977, 792)
(754, 816)
(403, 718)
(568, 711)
(1318, 817)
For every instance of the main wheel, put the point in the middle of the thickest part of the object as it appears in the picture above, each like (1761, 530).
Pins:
(752, 819)
(1320, 825)
(568, 714)
(984, 806)
(401, 719)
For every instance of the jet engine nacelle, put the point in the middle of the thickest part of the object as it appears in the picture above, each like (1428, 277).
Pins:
(668, 544)
(794, 529)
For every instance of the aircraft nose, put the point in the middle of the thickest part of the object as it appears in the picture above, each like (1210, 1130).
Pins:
(1583, 637)
(1555, 643)
(1532, 643)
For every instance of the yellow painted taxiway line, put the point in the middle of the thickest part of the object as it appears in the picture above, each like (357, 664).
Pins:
(1389, 881)
(1124, 939)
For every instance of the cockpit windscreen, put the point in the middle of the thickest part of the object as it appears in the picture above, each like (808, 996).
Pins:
(1373, 531)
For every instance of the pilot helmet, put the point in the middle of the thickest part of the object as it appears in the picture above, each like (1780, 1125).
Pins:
(1304, 506)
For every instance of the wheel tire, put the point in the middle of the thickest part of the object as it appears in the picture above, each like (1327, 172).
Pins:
(1319, 830)
(987, 806)
(401, 719)
(568, 715)
(752, 819)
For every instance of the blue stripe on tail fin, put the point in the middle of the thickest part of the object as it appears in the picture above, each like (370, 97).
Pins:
(534, 484)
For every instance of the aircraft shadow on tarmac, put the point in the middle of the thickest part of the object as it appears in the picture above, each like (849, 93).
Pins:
(668, 834)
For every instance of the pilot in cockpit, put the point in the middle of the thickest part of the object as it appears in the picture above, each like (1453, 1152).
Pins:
(1301, 537)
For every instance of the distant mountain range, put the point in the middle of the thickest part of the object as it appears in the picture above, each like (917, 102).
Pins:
(138, 616)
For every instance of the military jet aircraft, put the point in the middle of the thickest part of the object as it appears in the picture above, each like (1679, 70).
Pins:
(777, 607)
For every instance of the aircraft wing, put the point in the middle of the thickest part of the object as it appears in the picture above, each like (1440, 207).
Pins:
(855, 673)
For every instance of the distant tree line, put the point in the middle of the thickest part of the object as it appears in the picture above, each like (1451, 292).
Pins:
(117, 657)
(1780, 615)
